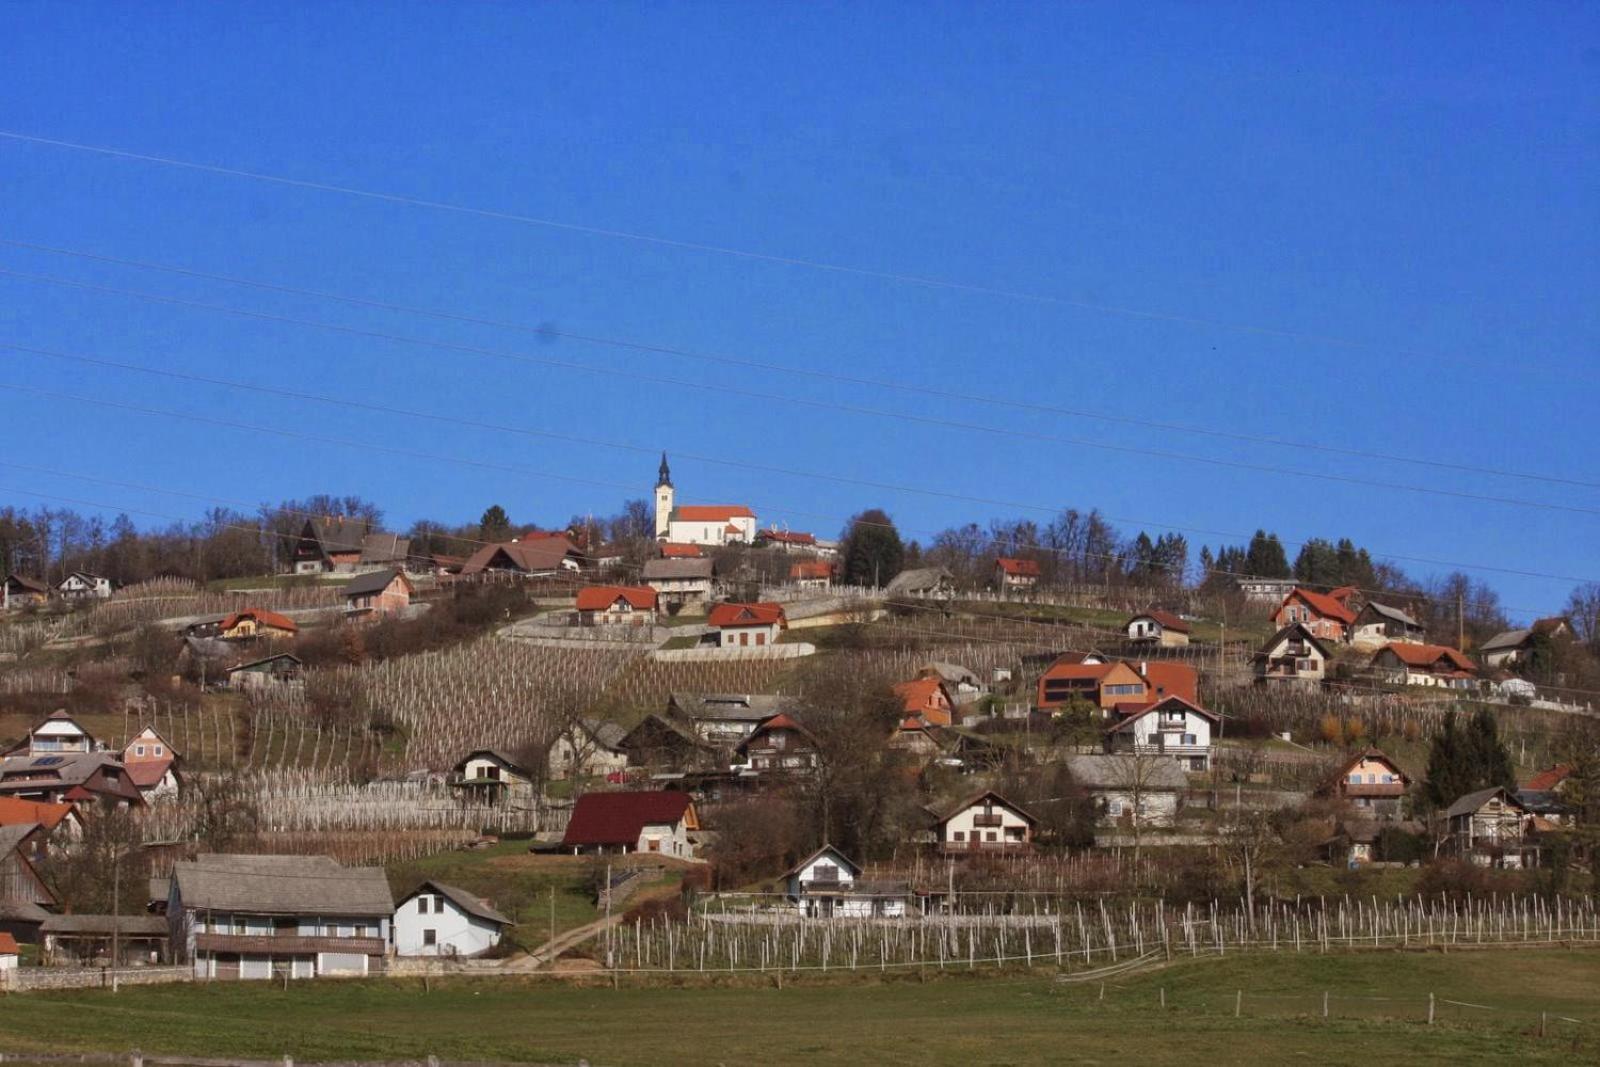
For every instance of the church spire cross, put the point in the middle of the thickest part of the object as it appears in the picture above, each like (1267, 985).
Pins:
(665, 472)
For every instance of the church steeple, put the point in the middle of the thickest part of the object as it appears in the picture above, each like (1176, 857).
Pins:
(666, 473)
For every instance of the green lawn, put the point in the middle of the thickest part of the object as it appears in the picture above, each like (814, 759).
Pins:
(1018, 1018)
(521, 886)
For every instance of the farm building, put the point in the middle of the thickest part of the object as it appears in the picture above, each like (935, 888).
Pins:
(922, 581)
(377, 593)
(1010, 573)
(435, 919)
(680, 582)
(81, 585)
(1492, 828)
(983, 822)
(1292, 656)
(1157, 627)
(827, 885)
(1378, 624)
(1511, 647)
(724, 719)
(244, 917)
(1171, 727)
(811, 574)
(256, 623)
(281, 670)
(651, 822)
(660, 743)
(1129, 789)
(488, 776)
(87, 939)
(617, 605)
(534, 556)
(747, 625)
(588, 748)
(23, 893)
(20, 591)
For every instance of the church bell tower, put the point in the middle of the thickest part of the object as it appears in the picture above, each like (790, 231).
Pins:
(663, 499)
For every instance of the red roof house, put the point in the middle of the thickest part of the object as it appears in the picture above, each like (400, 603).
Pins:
(257, 622)
(658, 821)
(1325, 615)
(746, 625)
(616, 602)
(1009, 571)
(926, 702)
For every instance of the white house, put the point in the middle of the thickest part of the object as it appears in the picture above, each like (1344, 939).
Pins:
(588, 747)
(1129, 789)
(80, 585)
(827, 884)
(699, 524)
(1171, 727)
(651, 822)
(1294, 655)
(747, 625)
(1158, 628)
(984, 822)
(58, 733)
(435, 919)
(489, 776)
(152, 765)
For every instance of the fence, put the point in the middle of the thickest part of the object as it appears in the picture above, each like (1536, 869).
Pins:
(23, 979)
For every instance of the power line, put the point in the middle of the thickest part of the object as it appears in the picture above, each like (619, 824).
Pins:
(751, 394)
(824, 266)
(547, 331)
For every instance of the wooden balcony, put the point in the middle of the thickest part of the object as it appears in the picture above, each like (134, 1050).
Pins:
(288, 944)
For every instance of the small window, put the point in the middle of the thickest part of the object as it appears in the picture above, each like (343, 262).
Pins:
(422, 905)
(958, 835)
(159, 751)
(430, 937)
(138, 750)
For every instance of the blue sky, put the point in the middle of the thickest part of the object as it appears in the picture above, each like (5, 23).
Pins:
(1367, 226)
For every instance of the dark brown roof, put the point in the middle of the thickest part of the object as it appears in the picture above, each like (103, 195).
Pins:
(539, 556)
(619, 818)
(374, 582)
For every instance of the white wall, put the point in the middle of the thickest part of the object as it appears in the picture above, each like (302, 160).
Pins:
(963, 823)
(670, 840)
(456, 933)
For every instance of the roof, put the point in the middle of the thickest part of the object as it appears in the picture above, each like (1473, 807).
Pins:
(495, 754)
(128, 925)
(917, 701)
(1294, 629)
(601, 597)
(1548, 779)
(470, 903)
(268, 659)
(385, 548)
(1473, 801)
(1506, 640)
(1394, 614)
(338, 533)
(1124, 772)
(23, 911)
(1324, 604)
(811, 569)
(950, 811)
(1020, 568)
(673, 550)
(1169, 678)
(1168, 703)
(14, 811)
(529, 556)
(605, 732)
(711, 512)
(1367, 753)
(32, 584)
(263, 617)
(8, 944)
(374, 582)
(762, 614)
(780, 721)
(1553, 625)
(148, 773)
(786, 537)
(13, 835)
(920, 579)
(619, 818)
(282, 885)
(735, 707)
(1165, 619)
(53, 769)
(653, 721)
(1427, 656)
(676, 568)
(845, 861)
(952, 673)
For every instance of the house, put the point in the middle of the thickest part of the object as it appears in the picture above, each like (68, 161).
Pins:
(1370, 781)
(253, 624)
(780, 746)
(377, 593)
(1108, 684)
(699, 524)
(747, 625)
(1265, 590)
(20, 882)
(963, 685)
(1292, 656)
(328, 544)
(262, 917)
(925, 701)
(1492, 829)
(725, 719)
(1171, 727)
(20, 591)
(1161, 628)
(1327, 615)
(1130, 789)
(387, 552)
(653, 822)
(983, 822)
(1378, 624)
(152, 765)
(525, 557)
(58, 732)
(57, 825)
(1010, 573)
(1511, 647)
(435, 919)
(786, 540)
(489, 776)
(617, 605)
(81, 585)
(811, 574)
(659, 743)
(136, 940)
(77, 777)
(1546, 794)
(283, 670)
(1353, 842)
(923, 582)
(1435, 665)
(9, 952)
(827, 885)
(681, 583)
(588, 748)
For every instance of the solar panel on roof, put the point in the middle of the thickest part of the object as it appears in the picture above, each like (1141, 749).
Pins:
(48, 761)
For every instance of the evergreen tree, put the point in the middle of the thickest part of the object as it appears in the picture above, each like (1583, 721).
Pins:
(1464, 760)
(1265, 557)
(495, 524)
(872, 552)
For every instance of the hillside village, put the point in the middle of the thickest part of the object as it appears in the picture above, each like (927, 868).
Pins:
(384, 750)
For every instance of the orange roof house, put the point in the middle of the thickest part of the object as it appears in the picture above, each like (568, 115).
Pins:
(257, 622)
(744, 625)
(1325, 615)
(605, 597)
(1425, 665)
(926, 702)
(1119, 684)
(14, 811)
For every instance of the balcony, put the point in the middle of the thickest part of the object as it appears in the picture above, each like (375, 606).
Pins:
(288, 944)
(1373, 789)
(968, 847)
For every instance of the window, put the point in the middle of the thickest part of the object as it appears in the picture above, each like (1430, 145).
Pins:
(1388, 779)
(991, 836)
(138, 750)
(158, 750)
(958, 836)
(655, 844)
(422, 905)
(430, 937)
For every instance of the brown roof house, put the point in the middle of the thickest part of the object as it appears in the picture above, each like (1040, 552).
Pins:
(242, 917)
(1370, 781)
(657, 822)
(1156, 627)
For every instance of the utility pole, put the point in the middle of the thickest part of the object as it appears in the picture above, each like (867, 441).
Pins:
(1461, 622)
(116, 912)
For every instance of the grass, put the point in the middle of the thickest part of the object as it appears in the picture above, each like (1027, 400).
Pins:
(956, 1019)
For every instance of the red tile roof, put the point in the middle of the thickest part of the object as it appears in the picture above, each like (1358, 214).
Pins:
(1020, 568)
(18, 812)
(1548, 779)
(262, 618)
(764, 614)
(619, 818)
(1167, 620)
(147, 773)
(1078, 671)
(921, 700)
(8, 945)
(811, 569)
(787, 537)
(711, 512)
(601, 597)
(1172, 679)
(672, 550)
(1428, 656)
(1324, 604)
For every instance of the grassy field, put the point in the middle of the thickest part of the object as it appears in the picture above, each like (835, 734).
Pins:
(949, 1020)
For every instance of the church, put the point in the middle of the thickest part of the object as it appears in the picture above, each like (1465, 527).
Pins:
(699, 524)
